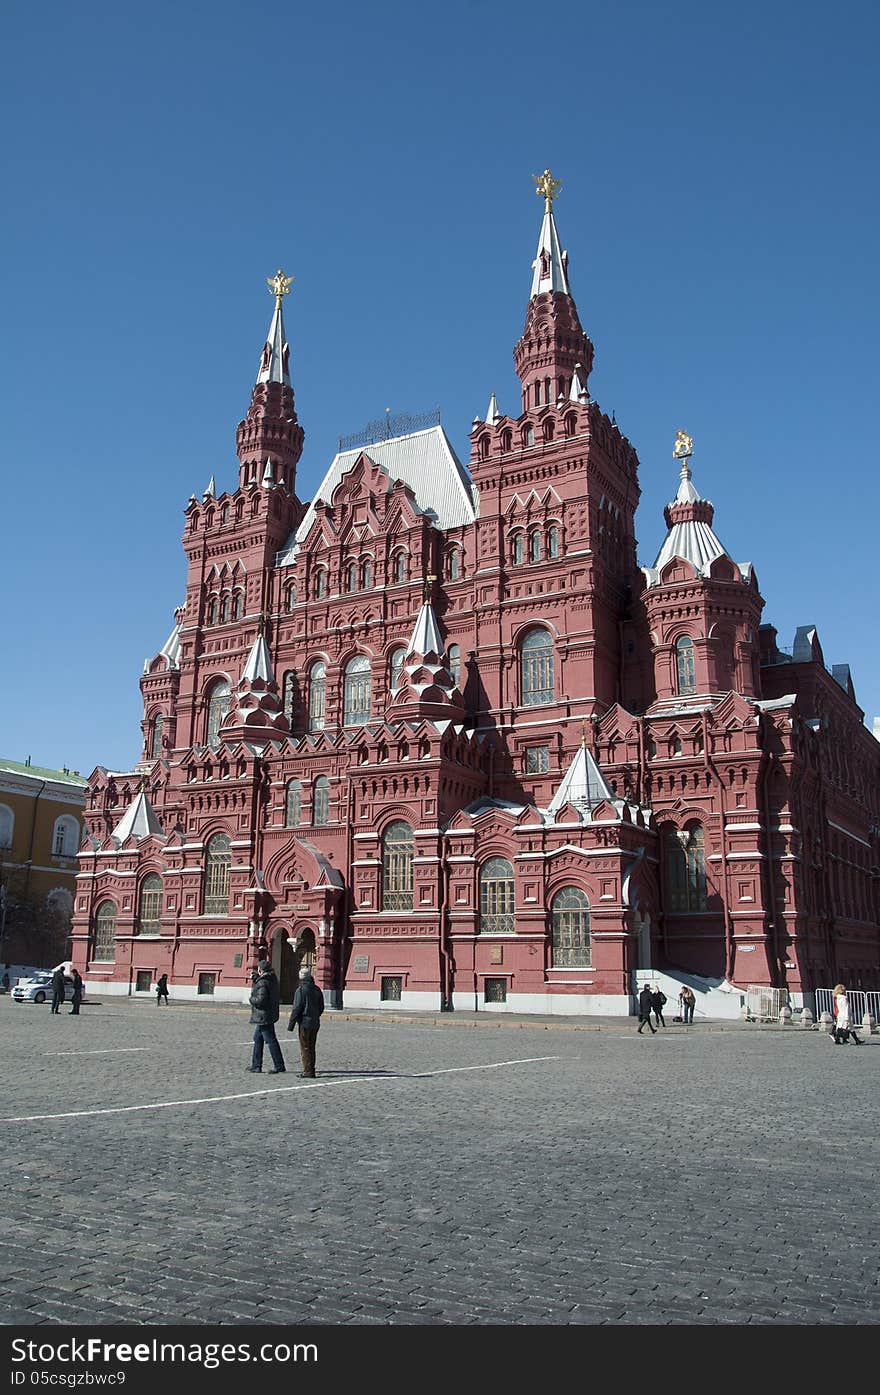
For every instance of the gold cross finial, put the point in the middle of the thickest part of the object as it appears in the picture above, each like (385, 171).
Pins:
(279, 285)
(684, 446)
(548, 188)
(429, 581)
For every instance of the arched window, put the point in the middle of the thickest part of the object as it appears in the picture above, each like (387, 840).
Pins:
(65, 837)
(218, 706)
(453, 565)
(548, 429)
(105, 931)
(518, 549)
(397, 867)
(356, 698)
(293, 811)
(367, 574)
(212, 611)
(399, 566)
(224, 514)
(7, 823)
(684, 664)
(535, 546)
(289, 694)
(506, 440)
(453, 662)
(217, 860)
(321, 800)
(237, 605)
(536, 668)
(397, 659)
(685, 865)
(351, 577)
(150, 909)
(496, 897)
(552, 542)
(224, 609)
(529, 436)
(317, 696)
(320, 584)
(571, 929)
(156, 744)
(290, 598)
(484, 447)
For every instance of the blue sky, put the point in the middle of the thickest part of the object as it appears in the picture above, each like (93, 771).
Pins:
(720, 210)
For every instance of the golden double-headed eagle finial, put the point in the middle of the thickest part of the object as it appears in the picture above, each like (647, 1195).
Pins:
(684, 446)
(279, 285)
(548, 188)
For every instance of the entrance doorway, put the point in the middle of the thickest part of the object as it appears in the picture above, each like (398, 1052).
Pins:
(285, 965)
(306, 952)
(643, 940)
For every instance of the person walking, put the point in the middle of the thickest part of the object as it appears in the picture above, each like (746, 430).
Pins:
(265, 1007)
(162, 991)
(77, 994)
(688, 1000)
(658, 1002)
(843, 1032)
(308, 1004)
(57, 988)
(645, 1009)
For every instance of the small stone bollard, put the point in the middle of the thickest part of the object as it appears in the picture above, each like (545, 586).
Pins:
(826, 1023)
(869, 1024)
(784, 1016)
(806, 1018)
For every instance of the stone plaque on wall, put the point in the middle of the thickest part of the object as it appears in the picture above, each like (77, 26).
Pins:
(496, 954)
(361, 963)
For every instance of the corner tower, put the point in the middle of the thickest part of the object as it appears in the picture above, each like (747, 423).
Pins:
(270, 439)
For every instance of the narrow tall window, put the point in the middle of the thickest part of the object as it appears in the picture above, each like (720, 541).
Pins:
(320, 584)
(289, 694)
(536, 665)
(218, 706)
(685, 866)
(217, 861)
(66, 835)
(150, 909)
(321, 800)
(496, 897)
(517, 551)
(400, 566)
(367, 575)
(571, 929)
(684, 662)
(156, 748)
(535, 546)
(293, 812)
(397, 868)
(105, 931)
(397, 659)
(357, 692)
(454, 565)
(453, 661)
(237, 605)
(317, 696)
(552, 542)
(212, 611)
(224, 610)
(351, 583)
(291, 597)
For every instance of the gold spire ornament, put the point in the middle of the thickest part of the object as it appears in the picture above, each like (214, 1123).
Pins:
(548, 188)
(684, 446)
(279, 285)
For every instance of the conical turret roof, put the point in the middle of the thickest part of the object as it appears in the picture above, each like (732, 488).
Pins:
(138, 821)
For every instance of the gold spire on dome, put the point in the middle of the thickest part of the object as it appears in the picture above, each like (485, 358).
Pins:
(279, 285)
(548, 188)
(684, 446)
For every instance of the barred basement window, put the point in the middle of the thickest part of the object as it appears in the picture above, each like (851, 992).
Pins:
(357, 692)
(321, 800)
(684, 662)
(105, 931)
(571, 929)
(207, 983)
(150, 912)
(293, 813)
(537, 760)
(217, 861)
(536, 668)
(397, 868)
(317, 696)
(495, 990)
(496, 897)
(392, 989)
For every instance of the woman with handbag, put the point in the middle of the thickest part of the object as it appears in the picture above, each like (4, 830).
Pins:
(842, 1030)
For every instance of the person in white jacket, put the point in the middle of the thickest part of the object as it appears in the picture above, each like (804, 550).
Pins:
(842, 1030)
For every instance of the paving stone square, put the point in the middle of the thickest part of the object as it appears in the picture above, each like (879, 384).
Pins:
(439, 1170)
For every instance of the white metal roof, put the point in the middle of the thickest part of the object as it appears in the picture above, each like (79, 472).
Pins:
(138, 821)
(583, 785)
(556, 278)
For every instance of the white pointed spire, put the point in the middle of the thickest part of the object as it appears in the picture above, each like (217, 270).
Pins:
(583, 784)
(269, 475)
(687, 492)
(259, 664)
(274, 364)
(551, 263)
(138, 821)
(426, 638)
(578, 391)
(210, 489)
(492, 412)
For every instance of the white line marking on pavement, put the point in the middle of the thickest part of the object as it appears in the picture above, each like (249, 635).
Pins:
(272, 1090)
(104, 1051)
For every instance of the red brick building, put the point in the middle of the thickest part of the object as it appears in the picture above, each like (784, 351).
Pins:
(439, 733)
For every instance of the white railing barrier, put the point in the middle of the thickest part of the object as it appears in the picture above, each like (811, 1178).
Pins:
(862, 1003)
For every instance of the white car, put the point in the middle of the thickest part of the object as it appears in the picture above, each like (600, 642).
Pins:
(38, 988)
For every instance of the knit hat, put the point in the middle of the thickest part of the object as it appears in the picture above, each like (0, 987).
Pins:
(264, 966)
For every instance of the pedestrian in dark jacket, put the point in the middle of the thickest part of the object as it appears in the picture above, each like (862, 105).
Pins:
(265, 1007)
(645, 1008)
(308, 1004)
(57, 989)
(162, 990)
(658, 1002)
(77, 994)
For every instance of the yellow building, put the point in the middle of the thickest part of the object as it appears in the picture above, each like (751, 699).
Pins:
(41, 828)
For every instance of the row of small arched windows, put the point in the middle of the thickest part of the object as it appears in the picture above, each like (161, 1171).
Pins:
(220, 609)
(534, 545)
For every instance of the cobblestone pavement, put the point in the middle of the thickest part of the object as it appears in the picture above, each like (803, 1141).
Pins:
(433, 1173)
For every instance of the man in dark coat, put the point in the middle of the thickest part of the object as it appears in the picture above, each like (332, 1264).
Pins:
(265, 1007)
(658, 1003)
(57, 989)
(645, 1004)
(77, 993)
(308, 1004)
